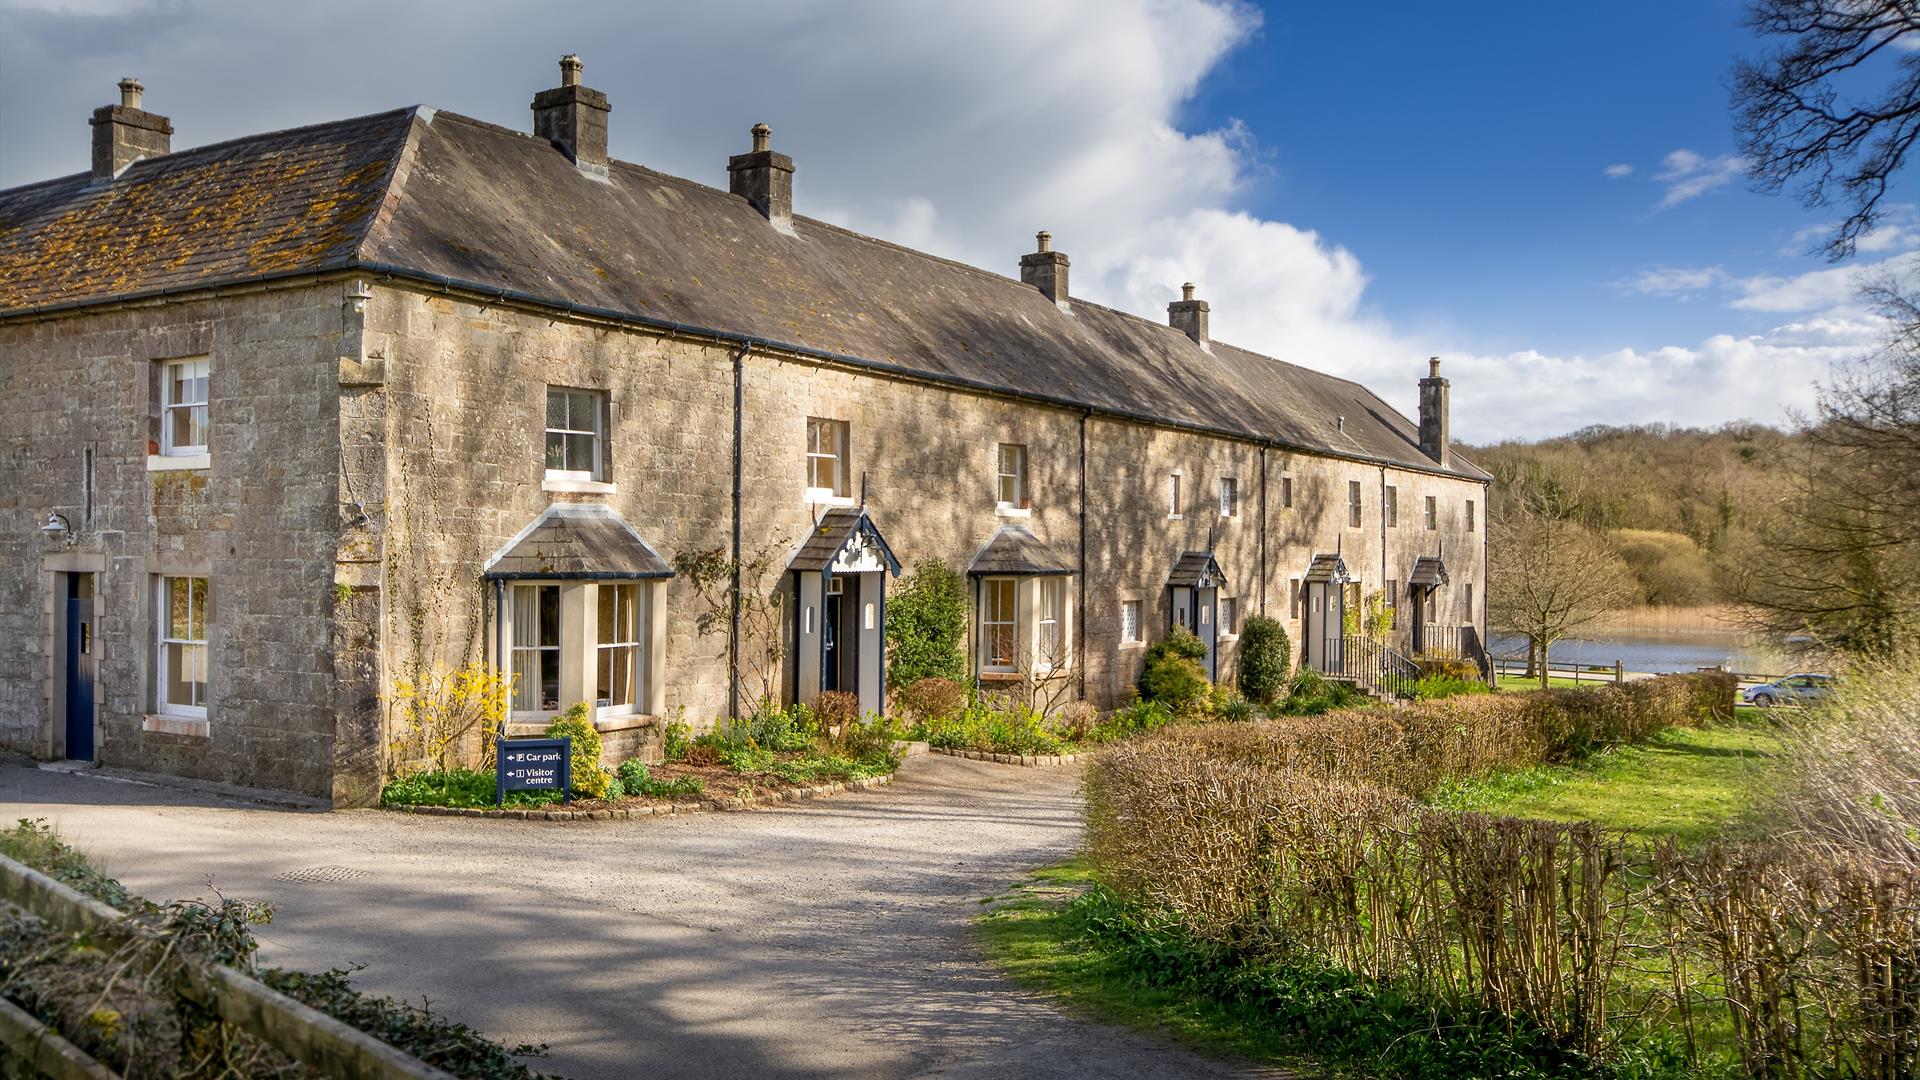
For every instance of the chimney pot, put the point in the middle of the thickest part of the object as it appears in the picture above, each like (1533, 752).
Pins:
(125, 133)
(574, 118)
(764, 178)
(1190, 317)
(1046, 270)
(1434, 434)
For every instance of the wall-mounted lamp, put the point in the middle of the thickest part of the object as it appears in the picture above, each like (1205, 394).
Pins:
(358, 294)
(57, 528)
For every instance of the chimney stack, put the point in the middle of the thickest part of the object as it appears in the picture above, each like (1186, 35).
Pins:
(1046, 270)
(1189, 316)
(125, 133)
(574, 118)
(1433, 414)
(764, 179)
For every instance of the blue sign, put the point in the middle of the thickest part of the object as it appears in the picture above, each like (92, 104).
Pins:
(533, 765)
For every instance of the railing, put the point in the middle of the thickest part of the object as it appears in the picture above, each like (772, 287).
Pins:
(1376, 668)
(1445, 642)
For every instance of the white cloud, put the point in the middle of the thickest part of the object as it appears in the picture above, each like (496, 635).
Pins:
(1688, 175)
(1834, 287)
(1617, 171)
(1672, 280)
(960, 129)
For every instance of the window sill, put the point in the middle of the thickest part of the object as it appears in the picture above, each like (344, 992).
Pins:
(624, 722)
(196, 726)
(178, 462)
(823, 497)
(1176, 517)
(580, 487)
(1129, 646)
(1008, 510)
(1000, 676)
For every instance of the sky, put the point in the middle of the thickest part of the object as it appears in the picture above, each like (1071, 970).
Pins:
(1547, 196)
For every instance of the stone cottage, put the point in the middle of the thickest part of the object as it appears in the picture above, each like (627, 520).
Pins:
(291, 415)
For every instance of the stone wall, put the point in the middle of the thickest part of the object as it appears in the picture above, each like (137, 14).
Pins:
(259, 522)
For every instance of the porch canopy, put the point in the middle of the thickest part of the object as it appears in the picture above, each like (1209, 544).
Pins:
(577, 541)
(1428, 572)
(846, 541)
(1015, 552)
(1326, 568)
(1196, 570)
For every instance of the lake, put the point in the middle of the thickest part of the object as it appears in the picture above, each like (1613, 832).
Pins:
(1659, 652)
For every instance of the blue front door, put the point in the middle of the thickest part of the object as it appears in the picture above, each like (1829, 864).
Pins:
(81, 648)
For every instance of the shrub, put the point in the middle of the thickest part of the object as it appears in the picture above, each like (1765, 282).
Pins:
(1440, 685)
(926, 622)
(931, 700)
(1173, 675)
(444, 719)
(836, 708)
(589, 779)
(1311, 695)
(1017, 729)
(675, 738)
(1266, 660)
(638, 779)
(1077, 720)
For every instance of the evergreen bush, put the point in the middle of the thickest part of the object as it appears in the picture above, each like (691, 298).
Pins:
(926, 623)
(1266, 660)
(1173, 675)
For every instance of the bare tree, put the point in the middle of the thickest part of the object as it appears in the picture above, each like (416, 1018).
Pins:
(1795, 127)
(1551, 577)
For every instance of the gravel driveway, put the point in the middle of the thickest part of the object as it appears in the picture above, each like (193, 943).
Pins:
(822, 939)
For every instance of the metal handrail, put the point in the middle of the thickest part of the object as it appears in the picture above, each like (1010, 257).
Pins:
(1374, 666)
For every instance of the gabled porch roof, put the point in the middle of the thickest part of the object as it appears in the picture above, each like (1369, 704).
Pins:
(1015, 552)
(577, 540)
(839, 529)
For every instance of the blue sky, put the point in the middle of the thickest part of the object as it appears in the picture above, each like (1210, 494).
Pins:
(1352, 188)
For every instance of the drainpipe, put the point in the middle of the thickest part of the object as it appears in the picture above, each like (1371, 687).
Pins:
(1263, 530)
(500, 648)
(739, 446)
(1383, 545)
(1080, 612)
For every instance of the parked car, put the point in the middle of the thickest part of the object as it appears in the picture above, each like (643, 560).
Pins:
(1792, 690)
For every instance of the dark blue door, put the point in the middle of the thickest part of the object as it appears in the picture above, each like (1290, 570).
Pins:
(80, 666)
(830, 643)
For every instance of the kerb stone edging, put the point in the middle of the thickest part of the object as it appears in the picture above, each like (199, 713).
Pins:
(625, 813)
(1028, 760)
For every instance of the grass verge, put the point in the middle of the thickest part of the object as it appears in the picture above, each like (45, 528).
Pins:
(1688, 783)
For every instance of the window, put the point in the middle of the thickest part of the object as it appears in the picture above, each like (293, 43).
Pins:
(575, 425)
(1467, 616)
(182, 663)
(1433, 513)
(536, 648)
(1470, 516)
(1393, 603)
(1391, 508)
(1229, 496)
(1011, 489)
(1286, 492)
(1050, 635)
(1129, 622)
(1173, 495)
(1229, 616)
(617, 688)
(996, 625)
(183, 407)
(826, 457)
(1293, 598)
(1353, 504)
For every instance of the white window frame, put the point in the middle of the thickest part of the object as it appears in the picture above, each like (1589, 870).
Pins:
(163, 638)
(598, 472)
(604, 652)
(1173, 495)
(203, 368)
(1390, 506)
(1432, 513)
(1286, 492)
(988, 624)
(1229, 496)
(1051, 622)
(1010, 487)
(838, 433)
(1229, 615)
(515, 649)
(1130, 622)
(1356, 507)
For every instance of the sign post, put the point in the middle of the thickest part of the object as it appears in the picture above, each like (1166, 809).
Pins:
(533, 765)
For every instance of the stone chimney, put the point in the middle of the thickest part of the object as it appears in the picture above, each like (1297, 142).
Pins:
(1046, 270)
(1189, 316)
(574, 118)
(125, 133)
(1433, 414)
(764, 179)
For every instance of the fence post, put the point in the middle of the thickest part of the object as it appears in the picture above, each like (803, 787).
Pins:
(1619, 671)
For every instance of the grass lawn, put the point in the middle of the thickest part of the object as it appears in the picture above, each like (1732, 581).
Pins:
(1521, 682)
(1030, 935)
(1688, 783)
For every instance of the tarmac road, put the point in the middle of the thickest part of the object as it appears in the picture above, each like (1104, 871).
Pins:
(821, 939)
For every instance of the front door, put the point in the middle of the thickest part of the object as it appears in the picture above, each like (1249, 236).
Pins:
(833, 642)
(81, 650)
(1207, 626)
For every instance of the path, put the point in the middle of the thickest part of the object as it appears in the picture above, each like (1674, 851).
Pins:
(827, 939)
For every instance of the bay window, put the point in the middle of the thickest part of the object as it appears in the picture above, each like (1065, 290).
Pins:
(997, 624)
(618, 670)
(536, 649)
(581, 641)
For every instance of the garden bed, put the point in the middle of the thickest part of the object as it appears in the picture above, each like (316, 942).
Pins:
(732, 791)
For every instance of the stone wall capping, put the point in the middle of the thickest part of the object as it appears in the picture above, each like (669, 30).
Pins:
(1026, 760)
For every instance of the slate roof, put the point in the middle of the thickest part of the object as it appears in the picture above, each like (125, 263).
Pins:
(1428, 570)
(441, 198)
(1326, 568)
(1193, 568)
(1012, 551)
(577, 540)
(829, 538)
